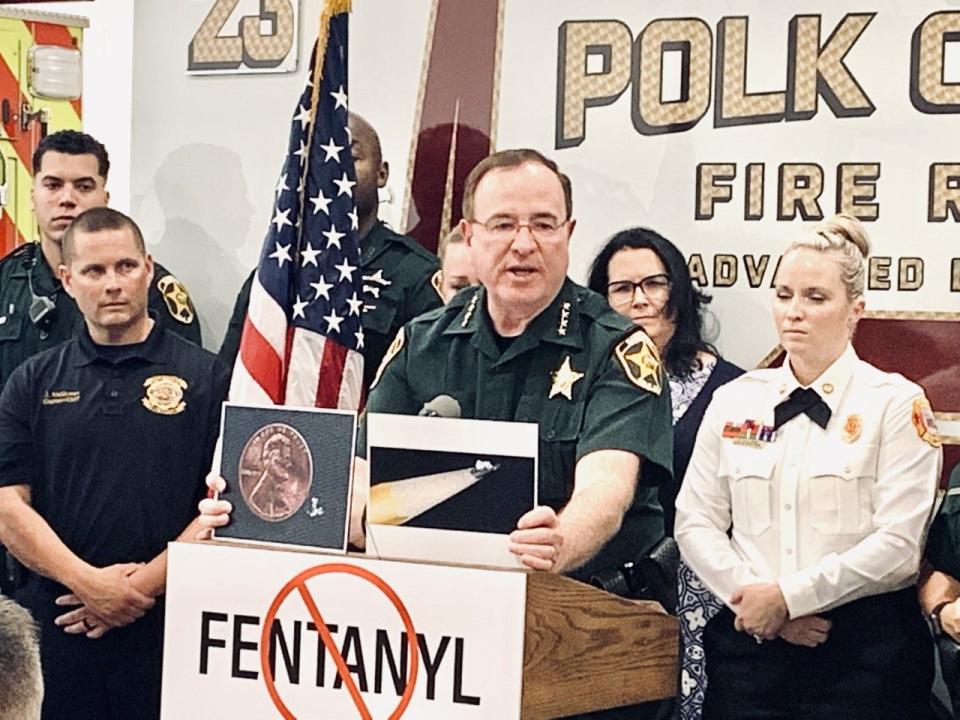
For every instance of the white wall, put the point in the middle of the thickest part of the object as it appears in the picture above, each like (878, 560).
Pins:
(205, 156)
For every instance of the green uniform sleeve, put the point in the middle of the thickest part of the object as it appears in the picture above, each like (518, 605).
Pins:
(619, 415)
(16, 434)
(422, 297)
(390, 392)
(943, 543)
(230, 347)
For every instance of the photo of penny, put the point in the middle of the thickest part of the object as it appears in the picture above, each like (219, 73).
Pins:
(276, 471)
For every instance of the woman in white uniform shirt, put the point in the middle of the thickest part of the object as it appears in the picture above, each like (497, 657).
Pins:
(804, 508)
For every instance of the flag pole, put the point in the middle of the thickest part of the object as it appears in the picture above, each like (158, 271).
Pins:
(330, 8)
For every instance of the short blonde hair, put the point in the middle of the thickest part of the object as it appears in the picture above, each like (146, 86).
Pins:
(451, 238)
(845, 236)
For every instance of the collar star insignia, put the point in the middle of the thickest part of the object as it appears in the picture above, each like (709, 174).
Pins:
(470, 309)
(564, 319)
(563, 379)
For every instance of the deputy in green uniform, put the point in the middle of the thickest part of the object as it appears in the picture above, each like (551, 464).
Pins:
(70, 174)
(397, 271)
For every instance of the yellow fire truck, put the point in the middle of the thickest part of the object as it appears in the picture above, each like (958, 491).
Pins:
(40, 89)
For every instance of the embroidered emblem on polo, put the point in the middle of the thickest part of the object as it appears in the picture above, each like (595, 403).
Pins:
(640, 361)
(59, 397)
(164, 394)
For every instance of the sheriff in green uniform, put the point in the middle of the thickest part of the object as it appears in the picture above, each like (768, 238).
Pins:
(397, 271)
(70, 174)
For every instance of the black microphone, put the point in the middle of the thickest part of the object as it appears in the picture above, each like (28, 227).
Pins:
(441, 406)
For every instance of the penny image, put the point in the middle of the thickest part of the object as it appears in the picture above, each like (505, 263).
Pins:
(276, 471)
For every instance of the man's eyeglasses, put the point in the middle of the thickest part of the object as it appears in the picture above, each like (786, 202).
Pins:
(507, 228)
(655, 288)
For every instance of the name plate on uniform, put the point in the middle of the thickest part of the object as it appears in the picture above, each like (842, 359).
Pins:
(448, 489)
(289, 474)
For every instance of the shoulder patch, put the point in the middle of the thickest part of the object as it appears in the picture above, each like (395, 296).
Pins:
(395, 347)
(177, 299)
(436, 282)
(640, 361)
(925, 423)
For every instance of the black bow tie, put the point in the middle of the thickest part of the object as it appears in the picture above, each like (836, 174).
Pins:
(802, 400)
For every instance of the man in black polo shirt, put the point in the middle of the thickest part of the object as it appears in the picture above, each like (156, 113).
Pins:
(104, 443)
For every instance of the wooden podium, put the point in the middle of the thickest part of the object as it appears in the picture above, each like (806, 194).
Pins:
(240, 641)
(585, 649)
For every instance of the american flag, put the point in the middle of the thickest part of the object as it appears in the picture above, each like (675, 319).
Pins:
(302, 336)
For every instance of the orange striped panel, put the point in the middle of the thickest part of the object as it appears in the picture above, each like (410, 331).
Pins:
(16, 38)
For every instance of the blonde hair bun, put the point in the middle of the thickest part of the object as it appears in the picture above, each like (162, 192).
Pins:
(849, 229)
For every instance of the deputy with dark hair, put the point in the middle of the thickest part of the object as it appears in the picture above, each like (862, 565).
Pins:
(69, 176)
(104, 442)
(804, 508)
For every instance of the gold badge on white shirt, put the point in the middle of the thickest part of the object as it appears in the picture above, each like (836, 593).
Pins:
(852, 428)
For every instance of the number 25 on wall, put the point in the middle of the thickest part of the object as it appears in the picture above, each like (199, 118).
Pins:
(263, 42)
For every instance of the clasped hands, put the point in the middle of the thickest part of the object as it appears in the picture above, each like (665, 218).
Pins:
(762, 612)
(104, 598)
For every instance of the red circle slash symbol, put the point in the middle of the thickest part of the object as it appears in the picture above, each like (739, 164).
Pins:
(298, 583)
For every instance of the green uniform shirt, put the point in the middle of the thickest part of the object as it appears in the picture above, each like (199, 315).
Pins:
(20, 338)
(397, 287)
(943, 543)
(562, 373)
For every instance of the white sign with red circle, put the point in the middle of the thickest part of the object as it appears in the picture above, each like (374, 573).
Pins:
(395, 639)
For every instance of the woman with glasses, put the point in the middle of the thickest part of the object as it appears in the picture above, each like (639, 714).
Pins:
(805, 506)
(644, 277)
